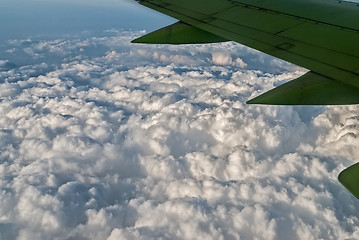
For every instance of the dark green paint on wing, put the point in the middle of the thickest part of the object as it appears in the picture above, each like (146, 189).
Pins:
(179, 33)
(310, 89)
(349, 178)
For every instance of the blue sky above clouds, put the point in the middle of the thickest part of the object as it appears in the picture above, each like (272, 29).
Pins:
(104, 139)
(21, 18)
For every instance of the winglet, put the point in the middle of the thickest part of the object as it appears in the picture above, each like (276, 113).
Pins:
(310, 89)
(349, 178)
(179, 33)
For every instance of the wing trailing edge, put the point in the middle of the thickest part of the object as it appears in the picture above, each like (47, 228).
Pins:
(179, 33)
(310, 89)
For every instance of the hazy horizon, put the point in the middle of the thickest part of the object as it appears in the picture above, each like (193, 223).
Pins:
(104, 139)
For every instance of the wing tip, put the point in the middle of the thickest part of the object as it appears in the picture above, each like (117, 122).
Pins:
(138, 40)
(259, 100)
(253, 101)
(179, 33)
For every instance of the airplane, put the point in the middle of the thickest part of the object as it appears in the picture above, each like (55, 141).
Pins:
(319, 35)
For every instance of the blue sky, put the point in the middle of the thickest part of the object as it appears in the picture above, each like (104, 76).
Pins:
(40, 20)
(20, 18)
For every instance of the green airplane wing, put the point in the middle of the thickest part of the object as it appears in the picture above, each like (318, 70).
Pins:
(320, 35)
(310, 89)
(349, 178)
(179, 33)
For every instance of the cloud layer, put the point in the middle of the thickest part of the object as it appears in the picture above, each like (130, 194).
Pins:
(102, 139)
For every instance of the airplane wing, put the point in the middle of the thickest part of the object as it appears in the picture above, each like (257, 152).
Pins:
(319, 35)
(349, 178)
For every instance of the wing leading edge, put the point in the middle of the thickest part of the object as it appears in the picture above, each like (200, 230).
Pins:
(320, 35)
(179, 33)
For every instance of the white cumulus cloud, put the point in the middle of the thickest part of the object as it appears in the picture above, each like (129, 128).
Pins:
(103, 139)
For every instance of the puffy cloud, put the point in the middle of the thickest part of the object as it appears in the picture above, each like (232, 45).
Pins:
(110, 140)
(221, 58)
(224, 58)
